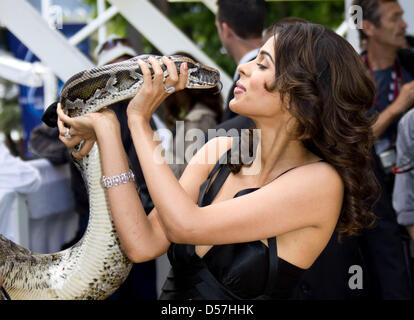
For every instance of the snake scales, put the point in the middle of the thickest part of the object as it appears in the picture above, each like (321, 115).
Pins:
(96, 266)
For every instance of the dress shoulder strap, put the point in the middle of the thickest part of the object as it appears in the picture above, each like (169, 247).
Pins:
(273, 266)
(207, 195)
(322, 160)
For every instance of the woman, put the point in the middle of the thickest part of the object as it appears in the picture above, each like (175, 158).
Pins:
(241, 235)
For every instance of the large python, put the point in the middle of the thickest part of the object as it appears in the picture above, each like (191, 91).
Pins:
(97, 265)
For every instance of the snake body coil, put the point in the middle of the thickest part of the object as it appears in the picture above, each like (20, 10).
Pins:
(97, 265)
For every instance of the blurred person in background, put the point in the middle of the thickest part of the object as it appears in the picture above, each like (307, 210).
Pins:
(240, 25)
(16, 176)
(403, 195)
(384, 31)
(391, 67)
(186, 110)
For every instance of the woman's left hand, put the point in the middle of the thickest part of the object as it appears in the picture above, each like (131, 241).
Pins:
(153, 92)
(83, 128)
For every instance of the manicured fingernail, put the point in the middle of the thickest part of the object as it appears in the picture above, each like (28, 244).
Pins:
(185, 66)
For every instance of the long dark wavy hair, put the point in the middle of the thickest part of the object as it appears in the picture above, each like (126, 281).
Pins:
(322, 78)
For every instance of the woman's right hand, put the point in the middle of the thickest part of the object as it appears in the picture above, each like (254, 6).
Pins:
(84, 128)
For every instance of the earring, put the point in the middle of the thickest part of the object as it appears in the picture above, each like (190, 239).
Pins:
(288, 106)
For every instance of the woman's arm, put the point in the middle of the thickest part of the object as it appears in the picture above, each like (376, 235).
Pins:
(310, 196)
(141, 235)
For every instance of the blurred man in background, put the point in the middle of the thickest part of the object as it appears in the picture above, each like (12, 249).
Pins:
(390, 64)
(240, 25)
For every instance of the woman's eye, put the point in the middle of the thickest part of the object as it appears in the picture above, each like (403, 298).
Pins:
(261, 66)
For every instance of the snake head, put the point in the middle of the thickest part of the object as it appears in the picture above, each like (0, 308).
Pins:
(199, 76)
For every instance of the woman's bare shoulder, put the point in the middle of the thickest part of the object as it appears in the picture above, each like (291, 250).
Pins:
(320, 174)
(318, 184)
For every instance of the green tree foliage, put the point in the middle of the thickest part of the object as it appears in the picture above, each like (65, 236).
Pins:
(117, 25)
(10, 115)
(327, 12)
(197, 22)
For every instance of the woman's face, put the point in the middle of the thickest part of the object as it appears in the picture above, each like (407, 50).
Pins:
(251, 98)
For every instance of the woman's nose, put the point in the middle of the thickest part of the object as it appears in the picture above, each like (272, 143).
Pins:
(243, 69)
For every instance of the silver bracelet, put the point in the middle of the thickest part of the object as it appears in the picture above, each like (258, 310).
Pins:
(109, 182)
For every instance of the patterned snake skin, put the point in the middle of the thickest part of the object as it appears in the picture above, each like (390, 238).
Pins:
(96, 266)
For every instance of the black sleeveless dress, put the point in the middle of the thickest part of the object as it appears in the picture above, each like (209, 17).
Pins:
(249, 270)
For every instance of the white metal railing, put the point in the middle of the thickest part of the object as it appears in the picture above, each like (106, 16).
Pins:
(21, 220)
(61, 54)
(92, 26)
